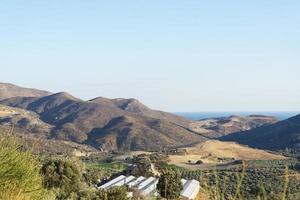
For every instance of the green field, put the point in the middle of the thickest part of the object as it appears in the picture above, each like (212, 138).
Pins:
(116, 166)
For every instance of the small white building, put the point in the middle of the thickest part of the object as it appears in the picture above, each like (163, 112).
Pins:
(148, 186)
(125, 181)
(190, 190)
(145, 183)
(112, 182)
(136, 182)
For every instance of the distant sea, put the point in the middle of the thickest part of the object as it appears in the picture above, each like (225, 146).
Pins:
(205, 115)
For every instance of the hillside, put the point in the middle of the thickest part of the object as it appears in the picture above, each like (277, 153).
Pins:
(23, 119)
(94, 122)
(142, 133)
(278, 136)
(213, 152)
(8, 90)
(136, 107)
(231, 150)
(112, 124)
(41, 145)
(217, 127)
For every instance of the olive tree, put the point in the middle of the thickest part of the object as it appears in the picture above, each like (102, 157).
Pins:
(169, 185)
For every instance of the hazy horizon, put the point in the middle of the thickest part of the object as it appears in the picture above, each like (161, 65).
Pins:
(194, 56)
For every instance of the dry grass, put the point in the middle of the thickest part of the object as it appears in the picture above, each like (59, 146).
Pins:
(231, 150)
(211, 150)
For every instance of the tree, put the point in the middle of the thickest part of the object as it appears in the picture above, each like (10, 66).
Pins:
(61, 174)
(19, 172)
(142, 166)
(169, 185)
(199, 162)
(114, 193)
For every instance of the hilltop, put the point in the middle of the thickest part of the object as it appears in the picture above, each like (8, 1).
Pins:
(8, 90)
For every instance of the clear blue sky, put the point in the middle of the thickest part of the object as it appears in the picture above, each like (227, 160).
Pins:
(182, 55)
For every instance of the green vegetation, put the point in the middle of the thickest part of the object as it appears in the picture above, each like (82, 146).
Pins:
(169, 185)
(24, 176)
(116, 166)
(63, 175)
(19, 172)
(115, 193)
(268, 180)
(97, 171)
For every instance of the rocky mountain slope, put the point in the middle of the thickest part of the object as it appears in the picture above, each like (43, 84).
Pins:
(112, 124)
(141, 133)
(23, 119)
(278, 136)
(136, 107)
(126, 124)
(217, 127)
(39, 144)
(8, 90)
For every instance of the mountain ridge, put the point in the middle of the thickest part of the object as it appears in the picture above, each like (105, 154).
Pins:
(8, 90)
(279, 136)
(127, 124)
(77, 120)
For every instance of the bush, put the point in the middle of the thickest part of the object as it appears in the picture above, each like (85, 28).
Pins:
(114, 193)
(62, 175)
(169, 185)
(19, 172)
(199, 162)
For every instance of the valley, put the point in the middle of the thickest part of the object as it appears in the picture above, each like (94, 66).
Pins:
(109, 137)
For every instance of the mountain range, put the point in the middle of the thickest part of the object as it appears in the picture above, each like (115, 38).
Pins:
(107, 123)
(113, 124)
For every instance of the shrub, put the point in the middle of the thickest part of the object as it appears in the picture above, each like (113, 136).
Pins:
(169, 185)
(199, 162)
(114, 193)
(19, 172)
(61, 174)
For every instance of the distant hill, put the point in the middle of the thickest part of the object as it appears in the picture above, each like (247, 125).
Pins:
(112, 124)
(278, 136)
(217, 127)
(8, 90)
(126, 124)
